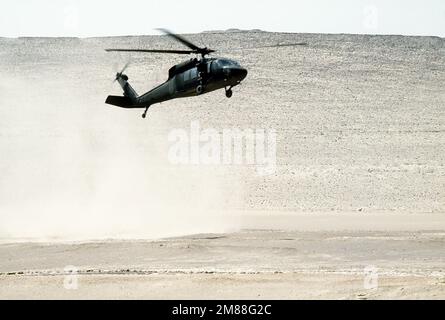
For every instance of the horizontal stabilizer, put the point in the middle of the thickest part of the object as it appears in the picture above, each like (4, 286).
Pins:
(123, 102)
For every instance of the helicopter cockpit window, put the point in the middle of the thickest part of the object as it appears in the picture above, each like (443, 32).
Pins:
(191, 74)
(228, 63)
(224, 63)
(194, 73)
(187, 75)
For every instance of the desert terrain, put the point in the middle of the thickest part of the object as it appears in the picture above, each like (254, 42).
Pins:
(359, 182)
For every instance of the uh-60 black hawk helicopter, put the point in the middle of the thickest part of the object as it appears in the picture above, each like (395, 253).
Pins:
(189, 78)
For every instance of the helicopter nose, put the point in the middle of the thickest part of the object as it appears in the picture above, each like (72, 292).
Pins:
(238, 73)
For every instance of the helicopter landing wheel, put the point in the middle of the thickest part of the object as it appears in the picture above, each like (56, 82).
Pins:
(144, 115)
(199, 89)
(229, 93)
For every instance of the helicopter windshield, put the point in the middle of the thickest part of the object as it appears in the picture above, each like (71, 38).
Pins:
(228, 63)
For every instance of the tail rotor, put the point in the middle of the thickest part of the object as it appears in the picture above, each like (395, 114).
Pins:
(121, 73)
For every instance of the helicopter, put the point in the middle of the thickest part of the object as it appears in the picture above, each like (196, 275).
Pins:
(189, 78)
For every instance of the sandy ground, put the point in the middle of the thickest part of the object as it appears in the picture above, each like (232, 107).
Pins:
(359, 182)
(223, 286)
(330, 263)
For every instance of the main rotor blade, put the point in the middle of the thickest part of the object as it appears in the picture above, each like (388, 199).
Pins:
(194, 49)
(279, 45)
(180, 39)
(152, 51)
(125, 67)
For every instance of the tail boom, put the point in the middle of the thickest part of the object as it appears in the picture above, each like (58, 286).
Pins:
(130, 98)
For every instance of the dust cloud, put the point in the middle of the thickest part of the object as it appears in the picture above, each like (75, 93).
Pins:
(359, 122)
(74, 168)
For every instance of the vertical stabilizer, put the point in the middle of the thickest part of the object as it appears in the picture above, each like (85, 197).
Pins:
(129, 92)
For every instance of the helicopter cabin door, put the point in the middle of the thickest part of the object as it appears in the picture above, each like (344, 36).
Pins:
(190, 78)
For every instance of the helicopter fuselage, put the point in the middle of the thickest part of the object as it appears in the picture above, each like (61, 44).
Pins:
(187, 79)
(195, 77)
